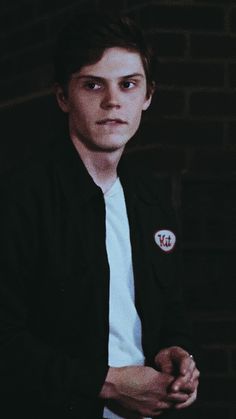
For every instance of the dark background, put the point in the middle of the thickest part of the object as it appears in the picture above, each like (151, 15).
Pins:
(189, 134)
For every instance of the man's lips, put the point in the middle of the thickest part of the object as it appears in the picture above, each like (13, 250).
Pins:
(111, 121)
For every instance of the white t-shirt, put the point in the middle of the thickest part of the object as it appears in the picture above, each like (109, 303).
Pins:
(125, 346)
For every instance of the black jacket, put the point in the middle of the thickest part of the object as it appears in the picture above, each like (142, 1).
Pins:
(54, 285)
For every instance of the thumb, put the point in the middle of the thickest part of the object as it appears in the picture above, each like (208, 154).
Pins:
(163, 362)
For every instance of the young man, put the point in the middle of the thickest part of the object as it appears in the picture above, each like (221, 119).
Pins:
(92, 320)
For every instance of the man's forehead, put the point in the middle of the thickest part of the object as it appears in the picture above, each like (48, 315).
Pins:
(85, 76)
(115, 63)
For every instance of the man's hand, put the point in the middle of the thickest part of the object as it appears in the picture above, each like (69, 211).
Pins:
(141, 389)
(177, 362)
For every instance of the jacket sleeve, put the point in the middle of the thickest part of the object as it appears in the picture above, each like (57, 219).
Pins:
(32, 371)
(176, 327)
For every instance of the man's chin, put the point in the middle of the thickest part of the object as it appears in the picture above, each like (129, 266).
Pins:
(105, 144)
(109, 145)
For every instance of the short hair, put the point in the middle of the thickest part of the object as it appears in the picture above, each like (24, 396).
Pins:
(84, 39)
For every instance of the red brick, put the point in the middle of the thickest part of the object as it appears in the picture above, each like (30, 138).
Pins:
(111, 6)
(209, 412)
(181, 132)
(205, 271)
(213, 103)
(169, 44)
(20, 121)
(28, 72)
(161, 159)
(217, 160)
(212, 46)
(183, 17)
(166, 102)
(232, 132)
(191, 73)
(233, 354)
(13, 18)
(220, 389)
(232, 75)
(216, 332)
(233, 20)
(58, 20)
(6, 69)
(200, 412)
(47, 7)
(206, 200)
(23, 38)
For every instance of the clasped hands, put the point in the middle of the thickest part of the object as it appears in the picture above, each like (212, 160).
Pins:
(148, 391)
(179, 364)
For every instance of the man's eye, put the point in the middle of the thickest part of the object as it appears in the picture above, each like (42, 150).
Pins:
(128, 84)
(92, 85)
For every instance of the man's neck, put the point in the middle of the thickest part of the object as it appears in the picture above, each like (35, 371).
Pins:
(101, 165)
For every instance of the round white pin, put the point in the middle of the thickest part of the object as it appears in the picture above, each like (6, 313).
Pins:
(165, 239)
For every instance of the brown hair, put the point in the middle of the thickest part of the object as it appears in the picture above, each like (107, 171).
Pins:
(84, 39)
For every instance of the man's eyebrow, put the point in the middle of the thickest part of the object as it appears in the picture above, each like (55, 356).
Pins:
(130, 76)
(88, 76)
(97, 78)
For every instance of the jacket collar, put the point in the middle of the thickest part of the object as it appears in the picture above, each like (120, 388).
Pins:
(77, 181)
(73, 174)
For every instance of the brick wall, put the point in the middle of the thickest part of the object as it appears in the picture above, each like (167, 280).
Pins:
(188, 134)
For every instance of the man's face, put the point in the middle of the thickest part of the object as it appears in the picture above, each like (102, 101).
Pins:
(105, 100)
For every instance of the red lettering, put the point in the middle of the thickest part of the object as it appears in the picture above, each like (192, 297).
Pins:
(164, 241)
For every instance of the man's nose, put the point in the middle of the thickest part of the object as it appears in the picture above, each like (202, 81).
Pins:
(111, 98)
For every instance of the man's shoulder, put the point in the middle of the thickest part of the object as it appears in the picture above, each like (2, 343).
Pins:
(146, 182)
(25, 175)
(30, 177)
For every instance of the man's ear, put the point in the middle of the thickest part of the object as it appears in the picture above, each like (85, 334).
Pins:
(147, 103)
(150, 93)
(61, 98)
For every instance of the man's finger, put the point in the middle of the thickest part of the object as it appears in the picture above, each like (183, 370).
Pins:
(187, 365)
(190, 400)
(163, 361)
(181, 383)
(183, 360)
(177, 397)
(186, 384)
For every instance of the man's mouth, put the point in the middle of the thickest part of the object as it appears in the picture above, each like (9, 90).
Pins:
(111, 121)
